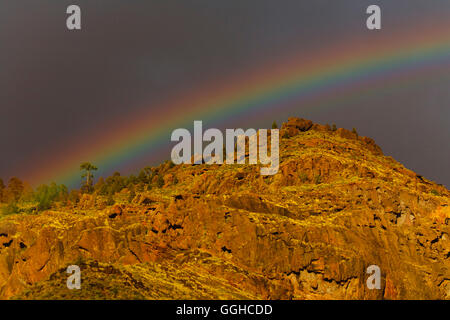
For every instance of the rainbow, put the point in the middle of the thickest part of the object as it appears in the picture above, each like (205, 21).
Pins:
(355, 67)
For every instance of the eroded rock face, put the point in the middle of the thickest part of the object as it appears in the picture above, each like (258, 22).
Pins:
(296, 125)
(336, 206)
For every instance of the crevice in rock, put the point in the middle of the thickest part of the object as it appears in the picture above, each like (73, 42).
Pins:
(82, 248)
(147, 201)
(41, 268)
(175, 226)
(225, 249)
(134, 254)
(7, 244)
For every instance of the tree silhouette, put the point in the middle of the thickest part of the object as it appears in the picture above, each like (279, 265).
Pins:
(145, 175)
(115, 183)
(15, 189)
(46, 195)
(88, 168)
(274, 125)
(101, 187)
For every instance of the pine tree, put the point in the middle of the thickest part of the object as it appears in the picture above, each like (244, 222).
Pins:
(115, 183)
(88, 168)
(101, 187)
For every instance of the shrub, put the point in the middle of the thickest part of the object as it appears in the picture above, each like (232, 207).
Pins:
(435, 192)
(142, 177)
(160, 181)
(80, 261)
(110, 201)
(303, 177)
(101, 187)
(11, 208)
(318, 179)
(131, 181)
(14, 190)
(115, 183)
(47, 195)
(140, 187)
(274, 125)
(146, 175)
(131, 196)
(74, 196)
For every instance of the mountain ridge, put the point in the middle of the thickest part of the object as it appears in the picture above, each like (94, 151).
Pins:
(336, 206)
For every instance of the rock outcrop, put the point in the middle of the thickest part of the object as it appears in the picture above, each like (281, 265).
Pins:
(336, 206)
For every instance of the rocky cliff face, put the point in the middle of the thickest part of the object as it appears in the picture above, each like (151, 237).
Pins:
(336, 206)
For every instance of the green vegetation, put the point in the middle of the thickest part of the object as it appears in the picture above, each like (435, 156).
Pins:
(14, 190)
(274, 125)
(303, 177)
(131, 194)
(17, 197)
(110, 200)
(45, 195)
(318, 179)
(435, 192)
(160, 182)
(10, 208)
(87, 169)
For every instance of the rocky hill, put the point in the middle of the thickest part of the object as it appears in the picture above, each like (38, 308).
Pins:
(336, 206)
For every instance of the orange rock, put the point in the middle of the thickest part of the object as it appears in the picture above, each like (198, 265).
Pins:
(336, 206)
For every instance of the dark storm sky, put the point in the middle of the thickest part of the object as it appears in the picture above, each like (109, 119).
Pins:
(57, 85)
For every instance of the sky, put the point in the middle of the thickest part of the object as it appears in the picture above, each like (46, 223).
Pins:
(61, 89)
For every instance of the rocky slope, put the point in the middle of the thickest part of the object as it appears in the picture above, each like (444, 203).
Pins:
(336, 206)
